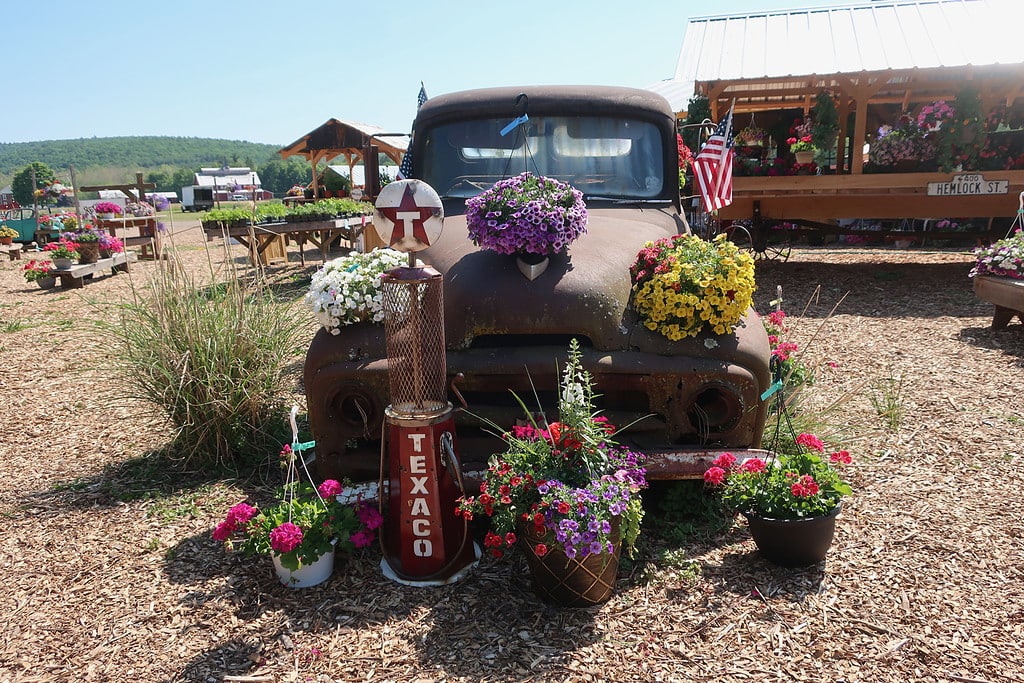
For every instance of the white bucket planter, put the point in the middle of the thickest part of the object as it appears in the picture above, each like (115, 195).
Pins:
(306, 575)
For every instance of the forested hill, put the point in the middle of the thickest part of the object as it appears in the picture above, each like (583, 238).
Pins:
(141, 152)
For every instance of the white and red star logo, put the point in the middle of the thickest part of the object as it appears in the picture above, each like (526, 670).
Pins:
(409, 215)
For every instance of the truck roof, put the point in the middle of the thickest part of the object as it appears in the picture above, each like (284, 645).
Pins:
(552, 99)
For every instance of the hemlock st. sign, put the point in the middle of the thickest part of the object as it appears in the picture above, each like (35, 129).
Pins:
(968, 184)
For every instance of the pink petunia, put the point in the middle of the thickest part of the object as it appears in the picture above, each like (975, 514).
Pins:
(362, 538)
(810, 441)
(223, 531)
(753, 465)
(370, 517)
(242, 513)
(724, 461)
(286, 537)
(329, 489)
(714, 476)
(841, 457)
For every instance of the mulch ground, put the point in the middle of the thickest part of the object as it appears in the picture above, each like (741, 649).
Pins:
(112, 575)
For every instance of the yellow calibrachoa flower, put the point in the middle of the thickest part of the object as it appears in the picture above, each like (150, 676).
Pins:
(683, 283)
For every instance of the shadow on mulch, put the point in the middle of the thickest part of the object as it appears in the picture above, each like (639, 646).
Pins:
(1009, 340)
(872, 289)
(489, 623)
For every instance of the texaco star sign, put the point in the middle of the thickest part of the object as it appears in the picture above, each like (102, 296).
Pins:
(409, 215)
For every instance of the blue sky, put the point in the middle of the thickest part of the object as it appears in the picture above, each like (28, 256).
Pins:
(270, 72)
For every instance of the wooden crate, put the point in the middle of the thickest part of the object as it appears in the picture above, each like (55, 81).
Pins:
(275, 252)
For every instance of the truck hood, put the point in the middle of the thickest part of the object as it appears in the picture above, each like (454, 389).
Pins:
(583, 292)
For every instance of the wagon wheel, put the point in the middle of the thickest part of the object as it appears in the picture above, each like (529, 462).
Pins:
(766, 249)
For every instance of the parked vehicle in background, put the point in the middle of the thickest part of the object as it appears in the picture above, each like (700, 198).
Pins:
(686, 400)
(196, 198)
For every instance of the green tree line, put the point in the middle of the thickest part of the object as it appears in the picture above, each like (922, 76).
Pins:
(170, 163)
(142, 152)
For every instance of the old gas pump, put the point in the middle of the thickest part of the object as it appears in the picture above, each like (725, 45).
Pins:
(423, 541)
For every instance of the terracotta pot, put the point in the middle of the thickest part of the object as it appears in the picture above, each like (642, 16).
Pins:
(793, 542)
(6, 240)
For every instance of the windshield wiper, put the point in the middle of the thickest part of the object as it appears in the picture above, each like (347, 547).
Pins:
(620, 200)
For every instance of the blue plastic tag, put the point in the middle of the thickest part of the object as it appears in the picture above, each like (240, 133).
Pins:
(304, 446)
(771, 390)
(512, 125)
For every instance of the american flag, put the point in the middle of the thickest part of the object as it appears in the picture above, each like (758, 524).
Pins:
(405, 168)
(713, 167)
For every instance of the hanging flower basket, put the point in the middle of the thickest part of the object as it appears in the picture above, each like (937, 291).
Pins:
(527, 214)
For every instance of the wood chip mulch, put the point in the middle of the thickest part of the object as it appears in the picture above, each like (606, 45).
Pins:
(111, 577)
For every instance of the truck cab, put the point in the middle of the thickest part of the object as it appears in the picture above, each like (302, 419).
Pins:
(685, 400)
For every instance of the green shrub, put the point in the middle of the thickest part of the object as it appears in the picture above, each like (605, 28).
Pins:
(211, 359)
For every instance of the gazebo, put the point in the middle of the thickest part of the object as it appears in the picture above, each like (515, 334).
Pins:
(355, 142)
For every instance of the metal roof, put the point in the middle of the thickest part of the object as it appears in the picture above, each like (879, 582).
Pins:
(846, 39)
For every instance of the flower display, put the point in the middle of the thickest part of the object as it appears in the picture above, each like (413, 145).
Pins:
(347, 290)
(140, 209)
(526, 214)
(797, 483)
(568, 480)
(794, 371)
(800, 135)
(1003, 258)
(59, 221)
(685, 159)
(800, 144)
(107, 207)
(304, 525)
(934, 114)
(110, 243)
(62, 248)
(33, 270)
(88, 234)
(905, 141)
(683, 283)
(8, 232)
(750, 136)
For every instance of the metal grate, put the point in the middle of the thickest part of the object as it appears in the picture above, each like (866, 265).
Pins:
(414, 323)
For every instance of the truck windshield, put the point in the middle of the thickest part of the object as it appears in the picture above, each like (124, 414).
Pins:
(606, 157)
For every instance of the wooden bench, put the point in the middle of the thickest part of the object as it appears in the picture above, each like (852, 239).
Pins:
(13, 251)
(1007, 294)
(74, 277)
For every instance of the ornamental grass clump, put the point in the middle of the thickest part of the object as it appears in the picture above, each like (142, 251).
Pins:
(527, 214)
(211, 358)
(347, 290)
(683, 284)
(1003, 258)
(567, 480)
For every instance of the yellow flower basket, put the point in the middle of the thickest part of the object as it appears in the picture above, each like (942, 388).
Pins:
(683, 284)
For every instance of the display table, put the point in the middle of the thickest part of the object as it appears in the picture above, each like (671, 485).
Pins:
(75, 276)
(258, 238)
(147, 239)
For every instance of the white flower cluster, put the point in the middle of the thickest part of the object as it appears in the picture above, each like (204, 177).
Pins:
(348, 289)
